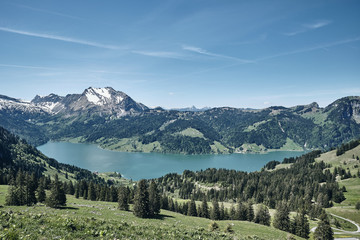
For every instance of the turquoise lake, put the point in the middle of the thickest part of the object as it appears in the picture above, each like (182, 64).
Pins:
(152, 165)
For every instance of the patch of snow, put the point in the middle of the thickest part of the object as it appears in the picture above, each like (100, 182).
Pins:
(119, 99)
(92, 98)
(103, 92)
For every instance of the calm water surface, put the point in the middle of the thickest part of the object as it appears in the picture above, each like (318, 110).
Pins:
(151, 165)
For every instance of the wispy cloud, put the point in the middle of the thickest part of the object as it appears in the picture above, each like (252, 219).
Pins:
(25, 66)
(60, 38)
(48, 12)
(307, 27)
(207, 53)
(161, 54)
(309, 49)
(318, 24)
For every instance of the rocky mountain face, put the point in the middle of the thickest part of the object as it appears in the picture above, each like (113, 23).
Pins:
(102, 101)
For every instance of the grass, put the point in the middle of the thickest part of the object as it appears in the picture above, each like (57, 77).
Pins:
(345, 160)
(290, 145)
(191, 132)
(83, 219)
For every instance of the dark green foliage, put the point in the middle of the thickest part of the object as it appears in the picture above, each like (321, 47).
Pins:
(204, 209)
(154, 199)
(357, 206)
(123, 198)
(192, 211)
(323, 230)
(346, 147)
(57, 197)
(41, 195)
(141, 200)
(22, 190)
(281, 218)
(271, 165)
(262, 216)
(91, 192)
(301, 225)
(215, 211)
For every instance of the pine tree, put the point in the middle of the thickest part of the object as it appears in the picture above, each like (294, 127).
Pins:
(30, 188)
(57, 196)
(154, 199)
(71, 189)
(323, 230)
(249, 212)
(41, 195)
(232, 214)
(241, 213)
(204, 208)
(215, 210)
(141, 200)
(192, 208)
(262, 216)
(302, 228)
(281, 218)
(123, 199)
(91, 192)
(113, 194)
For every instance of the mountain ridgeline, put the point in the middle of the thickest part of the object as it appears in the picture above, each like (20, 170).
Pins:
(115, 121)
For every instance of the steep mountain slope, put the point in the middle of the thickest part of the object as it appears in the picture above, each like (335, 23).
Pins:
(17, 154)
(114, 120)
(102, 101)
(19, 116)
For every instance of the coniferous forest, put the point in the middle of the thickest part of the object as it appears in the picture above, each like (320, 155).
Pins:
(307, 187)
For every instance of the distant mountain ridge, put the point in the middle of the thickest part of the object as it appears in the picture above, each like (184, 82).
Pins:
(92, 100)
(115, 121)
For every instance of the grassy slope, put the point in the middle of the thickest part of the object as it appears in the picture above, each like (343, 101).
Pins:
(89, 220)
(346, 208)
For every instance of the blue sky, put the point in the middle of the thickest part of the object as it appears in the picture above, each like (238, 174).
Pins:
(182, 53)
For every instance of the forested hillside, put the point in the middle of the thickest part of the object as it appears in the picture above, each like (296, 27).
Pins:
(217, 130)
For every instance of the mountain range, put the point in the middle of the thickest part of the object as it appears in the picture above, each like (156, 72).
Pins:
(113, 120)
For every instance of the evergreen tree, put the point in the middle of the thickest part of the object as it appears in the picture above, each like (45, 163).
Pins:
(241, 213)
(302, 228)
(113, 194)
(91, 192)
(30, 188)
(262, 216)
(204, 208)
(123, 199)
(154, 199)
(281, 218)
(11, 197)
(222, 211)
(249, 212)
(232, 214)
(41, 195)
(57, 196)
(71, 189)
(192, 208)
(141, 200)
(215, 210)
(323, 230)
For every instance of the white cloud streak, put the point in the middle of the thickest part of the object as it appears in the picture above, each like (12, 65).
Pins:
(160, 54)
(323, 46)
(24, 66)
(205, 52)
(49, 12)
(59, 38)
(307, 27)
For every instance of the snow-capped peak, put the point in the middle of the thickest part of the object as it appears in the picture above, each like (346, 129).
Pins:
(98, 96)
